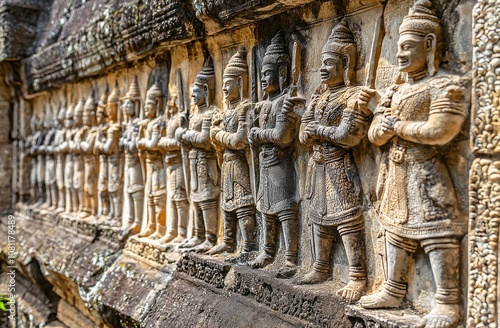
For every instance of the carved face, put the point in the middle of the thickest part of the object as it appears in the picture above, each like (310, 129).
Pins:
(111, 111)
(172, 105)
(270, 78)
(332, 69)
(150, 108)
(101, 119)
(77, 118)
(199, 95)
(128, 107)
(68, 122)
(87, 118)
(230, 88)
(412, 52)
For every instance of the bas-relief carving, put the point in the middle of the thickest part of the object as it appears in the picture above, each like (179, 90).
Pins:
(412, 123)
(229, 138)
(418, 205)
(273, 134)
(204, 187)
(333, 124)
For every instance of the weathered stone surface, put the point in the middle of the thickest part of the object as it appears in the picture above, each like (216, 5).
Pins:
(85, 43)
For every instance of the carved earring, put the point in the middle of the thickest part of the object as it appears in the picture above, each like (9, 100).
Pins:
(207, 94)
(345, 64)
(240, 87)
(430, 40)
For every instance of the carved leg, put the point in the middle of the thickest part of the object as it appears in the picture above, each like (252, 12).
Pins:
(290, 228)
(399, 259)
(322, 243)
(136, 211)
(159, 202)
(210, 215)
(246, 219)
(182, 207)
(172, 222)
(116, 205)
(61, 200)
(444, 256)
(151, 218)
(267, 255)
(75, 200)
(104, 202)
(199, 228)
(69, 200)
(354, 244)
(53, 196)
(229, 235)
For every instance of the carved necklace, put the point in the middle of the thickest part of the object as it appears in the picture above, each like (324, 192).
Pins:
(417, 76)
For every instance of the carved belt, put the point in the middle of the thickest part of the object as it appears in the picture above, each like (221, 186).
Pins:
(131, 159)
(327, 154)
(400, 153)
(193, 154)
(270, 156)
(172, 158)
(232, 156)
(153, 155)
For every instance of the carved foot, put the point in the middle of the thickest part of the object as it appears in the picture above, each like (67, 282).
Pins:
(221, 248)
(261, 261)
(133, 229)
(443, 316)
(352, 291)
(148, 232)
(167, 238)
(204, 247)
(313, 277)
(380, 300)
(192, 242)
(178, 239)
(287, 270)
(83, 215)
(156, 235)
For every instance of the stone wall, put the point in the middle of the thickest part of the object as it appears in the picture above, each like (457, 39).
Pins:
(99, 276)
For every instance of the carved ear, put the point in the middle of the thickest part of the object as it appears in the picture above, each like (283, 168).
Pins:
(207, 94)
(345, 65)
(283, 74)
(430, 47)
(240, 86)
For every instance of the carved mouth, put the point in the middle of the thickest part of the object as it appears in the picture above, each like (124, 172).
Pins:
(403, 62)
(324, 76)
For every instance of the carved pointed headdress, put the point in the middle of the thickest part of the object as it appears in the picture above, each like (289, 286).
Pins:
(114, 96)
(133, 92)
(79, 108)
(69, 112)
(89, 106)
(237, 65)
(154, 93)
(62, 113)
(341, 42)
(277, 51)
(206, 75)
(421, 20)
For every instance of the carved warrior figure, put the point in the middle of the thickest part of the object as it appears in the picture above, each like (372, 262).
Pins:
(87, 138)
(31, 142)
(418, 204)
(60, 159)
(50, 165)
(177, 203)
(275, 135)
(78, 162)
(202, 161)
(134, 180)
(334, 123)
(237, 200)
(65, 148)
(39, 152)
(102, 178)
(109, 146)
(147, 143)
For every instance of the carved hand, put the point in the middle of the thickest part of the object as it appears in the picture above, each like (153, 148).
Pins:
(311, 129)
(252, 136)
(387, 126)
(179, 134)
(367, 100)
(290, 103)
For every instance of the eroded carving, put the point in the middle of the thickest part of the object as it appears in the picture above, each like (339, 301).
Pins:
(333, 124)
(418, 205)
